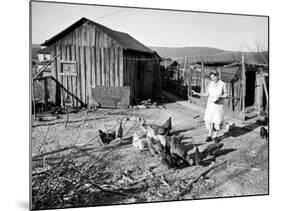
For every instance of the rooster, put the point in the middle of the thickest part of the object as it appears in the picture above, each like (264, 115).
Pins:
(156, 129)
(264, 133)
(168, 159)
(107, 137)
(177, 149)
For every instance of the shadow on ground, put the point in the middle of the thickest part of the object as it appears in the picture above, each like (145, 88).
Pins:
(240, 131)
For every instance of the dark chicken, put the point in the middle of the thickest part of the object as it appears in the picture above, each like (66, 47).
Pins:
(197, 157)
(168, 125)
(211, 149)
(264, 133)
(107, 137)
(177, 149)
(169, 160)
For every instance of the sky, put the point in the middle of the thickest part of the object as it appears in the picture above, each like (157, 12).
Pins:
(160, 28)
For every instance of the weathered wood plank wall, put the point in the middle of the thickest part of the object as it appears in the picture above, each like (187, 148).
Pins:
(136, 66)
(99, 62)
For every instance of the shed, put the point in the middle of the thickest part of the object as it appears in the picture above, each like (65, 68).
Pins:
(88, 55)
(245, 92)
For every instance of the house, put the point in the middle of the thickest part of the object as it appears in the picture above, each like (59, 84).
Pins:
(95, 64)
(43, 55)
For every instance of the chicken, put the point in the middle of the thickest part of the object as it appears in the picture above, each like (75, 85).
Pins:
(211, 149)
(163, 138)
(140, 143)
(168, 159)
(177, 149)
(174, 143)
(264, 133)
(154, 146)
(168, 125)
(197, 157)
(154, 129)
(151, 148)
(119, 130)
(107, 137)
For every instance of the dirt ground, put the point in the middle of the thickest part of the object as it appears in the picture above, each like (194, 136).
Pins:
(246, 153)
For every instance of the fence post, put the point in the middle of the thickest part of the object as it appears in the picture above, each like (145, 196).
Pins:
(244, 87)
(46, 93)
(202, 90)
(189, 79)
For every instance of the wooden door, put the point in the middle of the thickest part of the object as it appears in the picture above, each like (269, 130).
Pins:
(147, 81)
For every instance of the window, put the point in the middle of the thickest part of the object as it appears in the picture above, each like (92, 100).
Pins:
(68, 68)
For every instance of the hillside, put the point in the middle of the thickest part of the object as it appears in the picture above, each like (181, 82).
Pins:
(35, 48)
(210, 54)
(178, 52)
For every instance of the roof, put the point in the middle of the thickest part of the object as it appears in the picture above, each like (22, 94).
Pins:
(44, 51)
(228, 74)
(124, 39)
(231, 74)
(226, 58)
(216, 63)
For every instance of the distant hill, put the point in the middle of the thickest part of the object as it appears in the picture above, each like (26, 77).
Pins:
(178, 52)
(35, 48)
(209, 54)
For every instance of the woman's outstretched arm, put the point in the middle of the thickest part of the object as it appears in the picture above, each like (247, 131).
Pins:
(206, 94)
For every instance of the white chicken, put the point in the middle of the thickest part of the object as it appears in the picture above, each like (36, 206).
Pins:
(139, 140)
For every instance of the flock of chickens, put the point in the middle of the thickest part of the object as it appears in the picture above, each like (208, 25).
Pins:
(157, 139)
(169, 148)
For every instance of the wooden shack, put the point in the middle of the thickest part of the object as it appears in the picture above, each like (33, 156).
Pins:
(88, 55)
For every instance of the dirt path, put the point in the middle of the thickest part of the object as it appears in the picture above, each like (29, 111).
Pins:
(246, 172)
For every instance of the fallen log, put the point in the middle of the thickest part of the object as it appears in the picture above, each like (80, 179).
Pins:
(203, 174)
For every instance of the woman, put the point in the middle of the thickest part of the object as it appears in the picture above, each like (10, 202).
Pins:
(216, 94)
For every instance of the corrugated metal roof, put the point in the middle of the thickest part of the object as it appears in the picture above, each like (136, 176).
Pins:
(124, 39)
(231, 74)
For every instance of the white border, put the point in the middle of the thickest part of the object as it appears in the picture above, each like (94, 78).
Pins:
(15, 103)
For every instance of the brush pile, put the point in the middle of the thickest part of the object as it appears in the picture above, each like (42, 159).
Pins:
(61, 181)
(67, 184)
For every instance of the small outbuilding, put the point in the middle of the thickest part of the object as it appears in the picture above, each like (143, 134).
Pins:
(247, 84)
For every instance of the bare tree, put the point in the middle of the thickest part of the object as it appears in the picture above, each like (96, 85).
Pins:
(258, 54)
